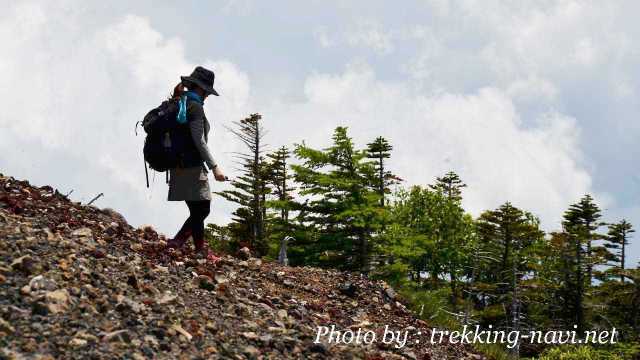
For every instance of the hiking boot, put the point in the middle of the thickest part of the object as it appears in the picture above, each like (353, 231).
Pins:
(202, 251)
(179, 240)
(206, 254)
(198, 243)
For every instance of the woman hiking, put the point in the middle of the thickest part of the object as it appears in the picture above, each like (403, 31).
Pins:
(190, 182)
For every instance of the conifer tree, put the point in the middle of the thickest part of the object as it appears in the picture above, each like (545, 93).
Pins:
(339, 203)
(279, 179)
(511, 235)
(451, 185)
(618, 239)
(250, 188)
(583, 218)
(580, 223)
(453, 230)
(379, 150)
(555, 276)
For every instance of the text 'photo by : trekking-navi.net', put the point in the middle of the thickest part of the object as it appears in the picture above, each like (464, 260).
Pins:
(242, 179)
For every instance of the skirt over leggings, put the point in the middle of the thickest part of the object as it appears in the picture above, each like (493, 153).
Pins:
(192, 186)
(189, 184)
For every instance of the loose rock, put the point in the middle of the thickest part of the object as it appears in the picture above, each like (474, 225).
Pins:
(79, 282)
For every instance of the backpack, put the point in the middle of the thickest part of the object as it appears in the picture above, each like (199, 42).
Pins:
(164, 143)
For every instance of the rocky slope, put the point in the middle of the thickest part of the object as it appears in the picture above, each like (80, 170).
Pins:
(79, 282)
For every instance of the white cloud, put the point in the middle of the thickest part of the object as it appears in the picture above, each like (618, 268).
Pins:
(533, 89)
(500, 43)
(322, 37)
(239, 7)
(362, 33)
(479, 135)
(369, 34)
(585, 52)
(71, 99)
(88, 81)
(431, 49)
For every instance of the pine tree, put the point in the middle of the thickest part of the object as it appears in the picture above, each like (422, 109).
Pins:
(451, 185)
(339, 205)
(555, 276)
(453, 230)
(379, 150)
(580, 223)
(250, 187)
(618, 239)
(583, 217)
(511, 235)
(279, 179)
(507, 229)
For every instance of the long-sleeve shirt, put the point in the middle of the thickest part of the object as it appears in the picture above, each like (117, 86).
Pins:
(200, 127)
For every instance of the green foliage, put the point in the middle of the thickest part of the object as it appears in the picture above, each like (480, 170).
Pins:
(250, 188)
(580, 223)
(278, 179)
(510, 237)
(431, 305)
(497, 269)
(615, 352)
(380, 150)
(339, 205)
(220, 238)
(450, 185)
(618, 239)
(430, 233)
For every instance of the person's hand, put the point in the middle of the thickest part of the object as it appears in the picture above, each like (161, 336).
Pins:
(218, 175)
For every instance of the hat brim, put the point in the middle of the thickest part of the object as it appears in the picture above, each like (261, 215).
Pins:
(189, 80)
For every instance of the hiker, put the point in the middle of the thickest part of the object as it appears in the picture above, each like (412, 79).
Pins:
(190, 182)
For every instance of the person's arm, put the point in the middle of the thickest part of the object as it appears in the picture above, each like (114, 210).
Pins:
(196, 123)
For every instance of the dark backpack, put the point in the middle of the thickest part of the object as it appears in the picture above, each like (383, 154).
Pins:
(165, 141)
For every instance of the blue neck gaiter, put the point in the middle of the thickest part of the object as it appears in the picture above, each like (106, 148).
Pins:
(182, 109)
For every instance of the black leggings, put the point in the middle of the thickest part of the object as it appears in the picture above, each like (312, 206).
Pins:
(198, 211)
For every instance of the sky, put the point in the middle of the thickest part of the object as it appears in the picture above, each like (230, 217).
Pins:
(530, 102)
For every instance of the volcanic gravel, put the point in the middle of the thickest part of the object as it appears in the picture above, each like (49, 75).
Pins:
(78, 282)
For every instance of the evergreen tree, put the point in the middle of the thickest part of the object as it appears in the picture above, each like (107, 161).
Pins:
(250, 188)
(379, 150)
(511, 235)
(555, 275)
(580, 223)
(618, 239)
(500, 268)
(542, 297)
(583, 218)
(454, 230)
(619, 304)
(279, 179)
(339, 203)
(451, 185)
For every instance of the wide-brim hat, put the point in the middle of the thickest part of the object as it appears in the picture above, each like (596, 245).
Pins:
(202, 78)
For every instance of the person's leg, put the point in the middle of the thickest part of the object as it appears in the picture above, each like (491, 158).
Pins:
(199, 212)
(184, 232)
